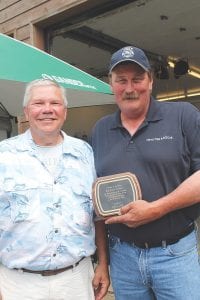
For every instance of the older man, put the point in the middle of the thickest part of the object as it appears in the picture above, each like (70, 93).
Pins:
(153, 248)
(46, 230)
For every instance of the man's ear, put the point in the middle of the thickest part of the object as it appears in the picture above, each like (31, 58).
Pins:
(110, 78)
(110, 81)
(151, 85)
(66, 111)
(151, 81)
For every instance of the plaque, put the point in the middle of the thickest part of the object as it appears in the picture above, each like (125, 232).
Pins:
(110, 193)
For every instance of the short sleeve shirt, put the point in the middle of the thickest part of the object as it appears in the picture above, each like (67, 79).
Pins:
(163, 152)
(46, 219)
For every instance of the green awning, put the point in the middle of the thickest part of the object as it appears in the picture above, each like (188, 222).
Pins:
(21, 63)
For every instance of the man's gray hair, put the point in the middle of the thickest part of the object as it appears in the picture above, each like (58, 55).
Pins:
(43, 82)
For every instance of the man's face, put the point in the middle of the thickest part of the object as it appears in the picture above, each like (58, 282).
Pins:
(132, 88)
(45, 111)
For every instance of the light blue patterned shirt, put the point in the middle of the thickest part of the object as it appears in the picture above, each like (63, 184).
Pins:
(46, 221)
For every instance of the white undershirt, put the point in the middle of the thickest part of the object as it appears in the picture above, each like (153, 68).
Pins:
(50, 156)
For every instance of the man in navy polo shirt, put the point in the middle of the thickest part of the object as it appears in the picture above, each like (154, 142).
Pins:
(152, 243)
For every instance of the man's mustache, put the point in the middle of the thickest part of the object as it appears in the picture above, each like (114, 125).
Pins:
(131, 96)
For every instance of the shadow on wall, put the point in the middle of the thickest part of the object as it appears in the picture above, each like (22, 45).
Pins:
(80, 120)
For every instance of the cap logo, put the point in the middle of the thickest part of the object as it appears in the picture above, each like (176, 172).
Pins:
(127, 52)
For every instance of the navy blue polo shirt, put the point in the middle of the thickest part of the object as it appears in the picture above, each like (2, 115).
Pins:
(163, 152)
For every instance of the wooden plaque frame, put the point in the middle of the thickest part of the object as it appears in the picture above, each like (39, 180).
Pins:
(110, 193)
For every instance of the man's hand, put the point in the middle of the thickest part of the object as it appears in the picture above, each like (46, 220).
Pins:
(101, 281)
(136, 214)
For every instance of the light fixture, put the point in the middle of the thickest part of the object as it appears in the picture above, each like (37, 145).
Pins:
(178, 96)
(181, 67)
(194, 73)
(191, 71)
(171, 63)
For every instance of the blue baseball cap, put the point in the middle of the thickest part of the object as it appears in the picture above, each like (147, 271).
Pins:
(132, 54)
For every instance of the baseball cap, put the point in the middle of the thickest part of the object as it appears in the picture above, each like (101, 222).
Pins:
(130, 53)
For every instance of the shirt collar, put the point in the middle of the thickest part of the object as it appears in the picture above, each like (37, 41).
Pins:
(27, 144)
(154, 114)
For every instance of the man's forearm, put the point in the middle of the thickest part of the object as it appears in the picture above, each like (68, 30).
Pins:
(186, 194)
(101, 242)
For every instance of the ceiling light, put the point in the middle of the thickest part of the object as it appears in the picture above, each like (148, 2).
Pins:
(192, 72)
(178, 96)
(168, 98)
(171, 63)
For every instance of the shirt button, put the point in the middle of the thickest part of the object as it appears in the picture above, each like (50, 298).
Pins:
(54, 254)
(131, 142)
(56, 231)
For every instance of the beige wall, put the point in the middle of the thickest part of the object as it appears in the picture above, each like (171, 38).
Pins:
(80, 120)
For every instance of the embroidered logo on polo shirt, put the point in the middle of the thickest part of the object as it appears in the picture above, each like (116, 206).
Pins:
(158, 139)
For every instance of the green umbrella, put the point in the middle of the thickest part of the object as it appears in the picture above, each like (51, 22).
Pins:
(21, 63)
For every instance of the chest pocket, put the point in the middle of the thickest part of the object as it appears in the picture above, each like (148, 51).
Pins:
(23, 199)
(24, 206)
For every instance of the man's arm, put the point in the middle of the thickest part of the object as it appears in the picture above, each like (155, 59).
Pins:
(101, 279)
(141, 212)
